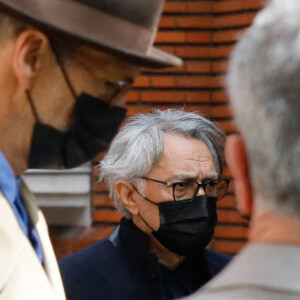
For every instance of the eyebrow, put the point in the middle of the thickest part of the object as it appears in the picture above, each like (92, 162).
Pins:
(188, 177)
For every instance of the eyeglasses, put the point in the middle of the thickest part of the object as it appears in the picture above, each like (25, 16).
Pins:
(183, 190)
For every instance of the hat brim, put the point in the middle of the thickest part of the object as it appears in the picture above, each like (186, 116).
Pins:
(96, 29)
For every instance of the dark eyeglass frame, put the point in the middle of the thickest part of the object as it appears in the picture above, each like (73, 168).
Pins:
(199, 185)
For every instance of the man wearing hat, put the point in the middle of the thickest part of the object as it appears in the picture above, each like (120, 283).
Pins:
(64, 67)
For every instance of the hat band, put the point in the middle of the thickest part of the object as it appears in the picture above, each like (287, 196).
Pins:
(86, 23)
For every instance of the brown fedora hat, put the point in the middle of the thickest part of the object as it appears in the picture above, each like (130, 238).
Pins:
(126, 27)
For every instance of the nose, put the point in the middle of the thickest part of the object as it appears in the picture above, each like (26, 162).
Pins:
(201, 191)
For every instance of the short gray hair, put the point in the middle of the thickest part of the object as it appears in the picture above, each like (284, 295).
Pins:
(264, 85)
(138, 146)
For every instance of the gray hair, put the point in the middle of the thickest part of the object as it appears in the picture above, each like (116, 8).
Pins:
(264, 85)
(138, 146)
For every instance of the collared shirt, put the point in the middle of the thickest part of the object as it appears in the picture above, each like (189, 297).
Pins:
(10, 185)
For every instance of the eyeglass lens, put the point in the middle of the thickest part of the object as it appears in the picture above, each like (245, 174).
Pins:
(187, 190)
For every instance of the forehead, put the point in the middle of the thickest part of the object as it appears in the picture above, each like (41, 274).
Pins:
(185, 157)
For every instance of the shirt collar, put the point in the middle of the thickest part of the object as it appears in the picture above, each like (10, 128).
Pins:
(9, 184)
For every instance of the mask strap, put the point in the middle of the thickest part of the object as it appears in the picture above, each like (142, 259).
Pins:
(145, 222)
(144, 197)
(33, 109)
(63, 70)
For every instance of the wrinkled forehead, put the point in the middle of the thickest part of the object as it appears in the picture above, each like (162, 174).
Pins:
(185, 155)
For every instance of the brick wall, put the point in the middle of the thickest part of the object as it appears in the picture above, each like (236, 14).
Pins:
(203, 34)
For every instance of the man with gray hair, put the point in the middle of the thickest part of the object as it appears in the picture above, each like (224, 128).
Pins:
(164, 172)
(265, 160)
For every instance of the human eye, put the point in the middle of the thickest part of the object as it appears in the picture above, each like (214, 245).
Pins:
(180, 185)
(211, 188)
(184, 190)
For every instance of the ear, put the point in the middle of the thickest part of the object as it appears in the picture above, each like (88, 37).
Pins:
(125, 192)
(236, 157)
(28, 53)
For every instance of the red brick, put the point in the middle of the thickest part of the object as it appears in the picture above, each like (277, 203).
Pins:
(225, 36)
(203, 110)
(231, 217)
(229, 126)
(197, 97)
(231, 232)
(99, 187)
(218, 82)
(195, 22)
(198, 37)
(221, 51)
(231, 247)
(220, 66)
(179, 69)
(199, 82)
(142, 81)
(167, 49)
(227, 172)
(254, 4)
(175, 7)
(228, 6)
(198, 67)
(221, 112)
(194, 81)
(95, 233)
(159, 96)
(234, 20)
(220, 97)
(237, 5)
(193, 52)
(200, 7)
(67, 245)
(167, 22)
(134, 110)
(102, 201)
(132, 96)
(227, 202)
(107, 216)
(170, 37)
(162, 81)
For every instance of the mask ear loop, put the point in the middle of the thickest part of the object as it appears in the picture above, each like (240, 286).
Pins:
(63, 70)
(33, 109)
(145, 222)
(144, 197)
(147, 200)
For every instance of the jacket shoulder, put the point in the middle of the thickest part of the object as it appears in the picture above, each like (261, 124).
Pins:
(94, 272)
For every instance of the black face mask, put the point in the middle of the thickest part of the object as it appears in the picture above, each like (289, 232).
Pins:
(92, 128)
(186, 227)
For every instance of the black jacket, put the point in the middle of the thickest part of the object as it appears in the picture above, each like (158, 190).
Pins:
(120, 268)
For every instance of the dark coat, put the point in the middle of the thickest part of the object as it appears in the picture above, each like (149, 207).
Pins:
(120, 268)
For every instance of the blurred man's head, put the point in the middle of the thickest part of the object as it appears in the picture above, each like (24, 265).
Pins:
(264, 89)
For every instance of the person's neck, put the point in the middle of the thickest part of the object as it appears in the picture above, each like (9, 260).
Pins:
(268, 227)
(14, 158)
(167, 258)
